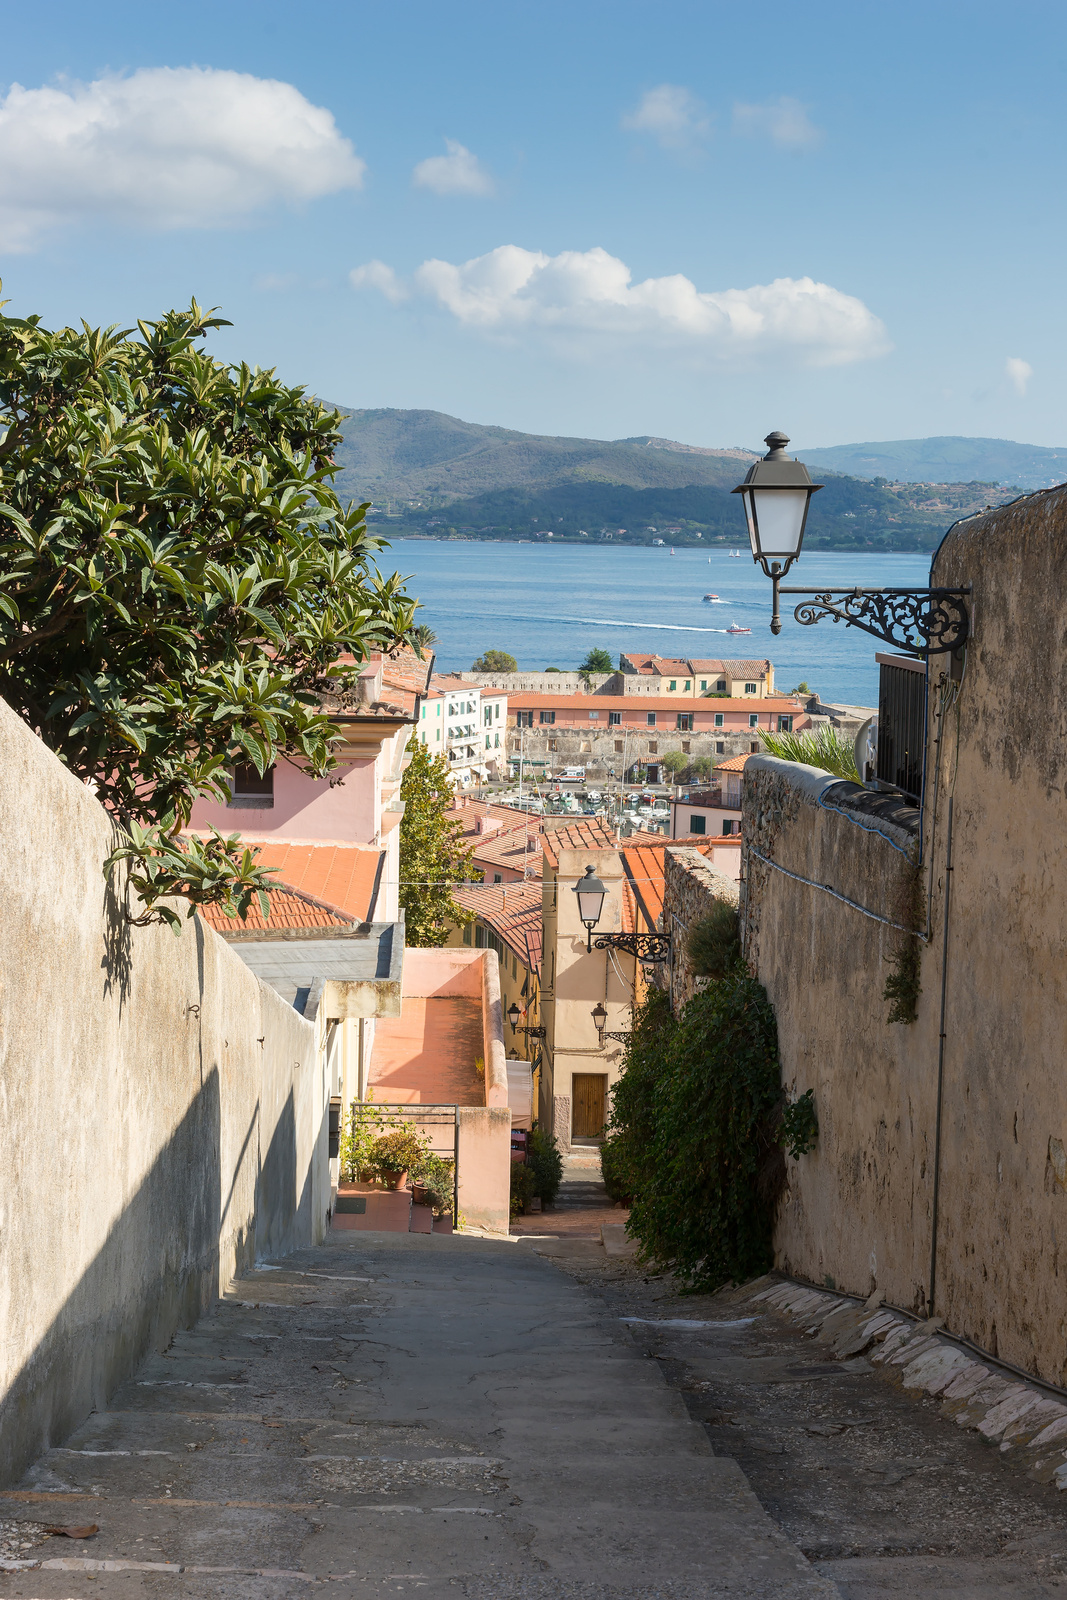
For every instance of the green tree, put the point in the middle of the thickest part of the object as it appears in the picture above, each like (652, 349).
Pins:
(495, 661)
(180, 587)
(597, 661)
(423, 638)
(433, 856)
(674, 761)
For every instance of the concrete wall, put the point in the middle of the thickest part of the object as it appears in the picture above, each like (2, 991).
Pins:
(860, 1208)
(152, 1145)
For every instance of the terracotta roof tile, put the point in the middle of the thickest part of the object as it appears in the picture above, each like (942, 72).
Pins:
(510, 849)
(578, 836)
(467, 815)
(288, 909)
(345, 877)
(735, 763)
(513, 910)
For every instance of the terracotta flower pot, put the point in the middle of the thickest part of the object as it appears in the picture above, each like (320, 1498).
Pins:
(395, 1180)
(419, 1194)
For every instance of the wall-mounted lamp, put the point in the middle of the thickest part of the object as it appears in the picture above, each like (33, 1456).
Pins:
(513, 1017)
(776, 494)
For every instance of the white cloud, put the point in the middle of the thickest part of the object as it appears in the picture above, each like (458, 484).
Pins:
(376, 275)
(1019, 372)
(784, 122)
(166, 147)
(591, 292)
(673, 115)
(459, 172)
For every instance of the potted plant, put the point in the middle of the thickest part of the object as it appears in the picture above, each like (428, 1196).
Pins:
(436, 1180)
(396, 1154)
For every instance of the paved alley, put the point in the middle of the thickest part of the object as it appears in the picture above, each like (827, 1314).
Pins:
(402, 1412)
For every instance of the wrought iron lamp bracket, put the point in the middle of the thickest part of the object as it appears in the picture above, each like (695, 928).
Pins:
(647, 947)
(531, 1033)
(607, 1034)
(919, 621)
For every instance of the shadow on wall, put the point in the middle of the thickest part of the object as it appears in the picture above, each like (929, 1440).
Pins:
(100, 1333)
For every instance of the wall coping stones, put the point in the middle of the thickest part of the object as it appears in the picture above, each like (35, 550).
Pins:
(1023, 1418)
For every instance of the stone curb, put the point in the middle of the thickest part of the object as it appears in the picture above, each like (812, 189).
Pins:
(1021, 1419)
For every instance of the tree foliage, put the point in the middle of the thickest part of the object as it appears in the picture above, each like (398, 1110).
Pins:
(179, 584)
(433, 856)
(821, 747)
(495, 661)
(597, 661)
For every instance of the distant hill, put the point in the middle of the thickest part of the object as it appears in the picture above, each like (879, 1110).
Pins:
(428, 456)
(945, 460)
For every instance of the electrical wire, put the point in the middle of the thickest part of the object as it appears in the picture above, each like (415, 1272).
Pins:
(826, 889)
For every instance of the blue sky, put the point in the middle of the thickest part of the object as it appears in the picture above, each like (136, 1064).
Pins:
(699, 221)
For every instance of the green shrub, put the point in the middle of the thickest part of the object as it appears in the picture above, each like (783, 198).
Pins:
(363, 1126)
(714, 944)
(693, 1132)
(399, 1151)
(614, 1173)
(820, 747)
(438, 1176)
(545, 1162)
(799, 1127)
(522, 1187)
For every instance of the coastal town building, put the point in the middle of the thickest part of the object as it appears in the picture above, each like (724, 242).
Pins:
(624, 738)
(714, 810)
(687, 679)
(507, 920)
(465, 725)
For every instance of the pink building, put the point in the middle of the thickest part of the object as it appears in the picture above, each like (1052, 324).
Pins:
(358, 806)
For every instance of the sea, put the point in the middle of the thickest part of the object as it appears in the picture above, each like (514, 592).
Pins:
(548, 605)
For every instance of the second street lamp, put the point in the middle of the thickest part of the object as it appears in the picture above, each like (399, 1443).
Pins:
(776, 494)
(513, 1017)
(649, 948)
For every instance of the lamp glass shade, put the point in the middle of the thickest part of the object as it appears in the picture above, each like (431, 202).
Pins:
(513, 1014)
(600, 1015)
(776, 521)
(590, 892)
(746, 501)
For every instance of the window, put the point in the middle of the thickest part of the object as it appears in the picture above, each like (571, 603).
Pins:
(720, 719)
(653, 748)
(684, 721)
(697, 824)
(721, 685)
(753, 720)
(548, 716)
(650, 718)
(785, 724)
(466, 933)
(619, 746)
(674, 683)
(614, 719)
(424, 713)
(438, 736)
(753, 749)
(250, 792)
(487, 745)
(498, 711)
(487, 719)
(685, 747)
(686, 685)
(552, 744)
(703, 683)
(720, 748)
(497, 878)
(524, 719)
(496, 740)
(729, 827)
(594, 716)
(750, 688)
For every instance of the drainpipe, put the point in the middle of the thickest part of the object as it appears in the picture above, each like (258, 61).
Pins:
(940, 1063)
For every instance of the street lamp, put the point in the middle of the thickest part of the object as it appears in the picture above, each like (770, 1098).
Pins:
(591, 893)
(600, 1017)
(776, 494)
(513, 1017)
(647, 947)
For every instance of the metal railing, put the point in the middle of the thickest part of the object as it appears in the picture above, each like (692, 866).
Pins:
(439, 1125)
(902, 727)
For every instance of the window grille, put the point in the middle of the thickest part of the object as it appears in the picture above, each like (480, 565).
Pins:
(901, 724)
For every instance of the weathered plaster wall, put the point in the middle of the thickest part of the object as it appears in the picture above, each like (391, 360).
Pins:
(153, 1145)
(860, 1208)
(691, 889)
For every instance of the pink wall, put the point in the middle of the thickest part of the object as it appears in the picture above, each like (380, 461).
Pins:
(306, 808)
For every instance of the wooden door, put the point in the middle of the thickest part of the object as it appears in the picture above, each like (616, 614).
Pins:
(589, 1095)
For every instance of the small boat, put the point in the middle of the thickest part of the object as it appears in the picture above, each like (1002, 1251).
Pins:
(735, 629)
(736, 553)
(711, 597)
(672, 549)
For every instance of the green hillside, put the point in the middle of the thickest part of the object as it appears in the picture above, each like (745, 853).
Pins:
(945, 460)
(400, 456)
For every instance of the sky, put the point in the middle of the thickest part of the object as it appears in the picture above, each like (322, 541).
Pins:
(697, 221)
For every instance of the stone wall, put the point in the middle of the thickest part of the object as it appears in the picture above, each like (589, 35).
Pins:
(692, 888)
(162, 1114)
(594, 748)
(860, 1208)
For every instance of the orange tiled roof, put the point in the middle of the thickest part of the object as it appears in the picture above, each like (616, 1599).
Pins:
(288, 909)
(579, 836)
(467, 814)
(342, 876)
(404, 678)
(734, 669)
(509, 849)
(735, 763)
(513, 910)
(667, 666)
(638, 705)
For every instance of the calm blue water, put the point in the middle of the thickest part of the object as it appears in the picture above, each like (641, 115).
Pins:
(548, 606)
